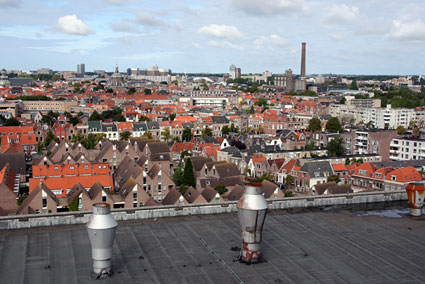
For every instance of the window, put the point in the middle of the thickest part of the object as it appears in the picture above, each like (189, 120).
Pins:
(134, 196)
(104, 198)
(44, 202)
(71, 167)
(86, 166)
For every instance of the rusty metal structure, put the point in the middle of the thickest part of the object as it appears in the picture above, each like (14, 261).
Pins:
(101, 229)
(416, 193)
(252, 210)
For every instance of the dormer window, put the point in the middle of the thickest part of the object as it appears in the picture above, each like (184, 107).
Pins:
(393, 177)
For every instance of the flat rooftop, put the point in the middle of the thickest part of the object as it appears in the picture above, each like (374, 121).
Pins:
(299, 246)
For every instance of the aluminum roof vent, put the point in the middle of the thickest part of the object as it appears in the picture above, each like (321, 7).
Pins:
(101, 229)
(252, 210)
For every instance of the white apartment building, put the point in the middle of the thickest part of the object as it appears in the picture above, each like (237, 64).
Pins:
(379, 117)
(402, 149)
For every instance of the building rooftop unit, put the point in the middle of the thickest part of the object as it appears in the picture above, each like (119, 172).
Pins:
(312, 246)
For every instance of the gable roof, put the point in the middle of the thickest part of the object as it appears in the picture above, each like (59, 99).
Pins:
(317, 169)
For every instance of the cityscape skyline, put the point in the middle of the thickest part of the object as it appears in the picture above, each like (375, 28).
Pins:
(198, 36)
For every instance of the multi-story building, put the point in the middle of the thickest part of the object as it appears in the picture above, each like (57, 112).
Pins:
(81, 69)
(402, 149)
(374, 141)
(379, 117)
(46, 106)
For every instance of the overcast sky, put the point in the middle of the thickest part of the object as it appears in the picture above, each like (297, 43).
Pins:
(345, 37)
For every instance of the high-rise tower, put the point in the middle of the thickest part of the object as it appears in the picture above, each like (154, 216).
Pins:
(303, 60)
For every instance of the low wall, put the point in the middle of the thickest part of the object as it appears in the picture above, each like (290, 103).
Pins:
(82, 217)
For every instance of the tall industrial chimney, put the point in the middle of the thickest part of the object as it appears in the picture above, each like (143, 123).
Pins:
(303, 60)
(252, 209)
(101, 229)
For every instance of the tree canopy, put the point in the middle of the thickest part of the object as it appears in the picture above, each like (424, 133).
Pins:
(335, 147)
(188, 174)
(314, 124)
(334, 126)
(187, 134)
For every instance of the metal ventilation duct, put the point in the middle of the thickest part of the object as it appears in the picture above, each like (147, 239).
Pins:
(416, 193)
(101, 229)
(252, 210)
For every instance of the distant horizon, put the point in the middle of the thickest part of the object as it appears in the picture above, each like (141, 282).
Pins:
(213, 73)
(348, 37)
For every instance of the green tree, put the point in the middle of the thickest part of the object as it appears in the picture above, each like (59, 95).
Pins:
(334, 126)
(148, 134)
(49, 138)
(187, 134)
(221, 188)
(95, 116)
(343, 100)
(310, 145)
(289, 193)
(347, 161)
(206, 132)
(119, 117)
(166, 135)
(401, 130)
(12, 122)
(261, 102)
(250, 110)
(77, 137)
(175, 82)
(171, 117)
(74, 120)
(353, 85)
(289, 180)
(225, 130)
(314, 124)
(125, 135)
(178, 175)
(132, 90)
(147, 91)
(188, 174)
(233, 128)
(144, 118)
(335, 147)
(334, 178)
(183, 188)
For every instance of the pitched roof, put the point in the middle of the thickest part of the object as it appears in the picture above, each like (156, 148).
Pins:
(404, 175)
(268, 188)
(317, 169)
(172, 197)
(236, 193)
(158, 147)
(209, 193)
(227, 170)
(192, 194)
(339, 167)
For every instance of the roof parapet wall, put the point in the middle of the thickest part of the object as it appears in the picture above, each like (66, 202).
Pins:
(82, 217)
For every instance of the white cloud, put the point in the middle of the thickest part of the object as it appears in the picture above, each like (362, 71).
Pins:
(406, 29)
(271, 39)
(269, 7)
(9, 3)
(223, 31)
(146, 19)
(224, 44)
(116, 2)
(342, 13)
(70, 24)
